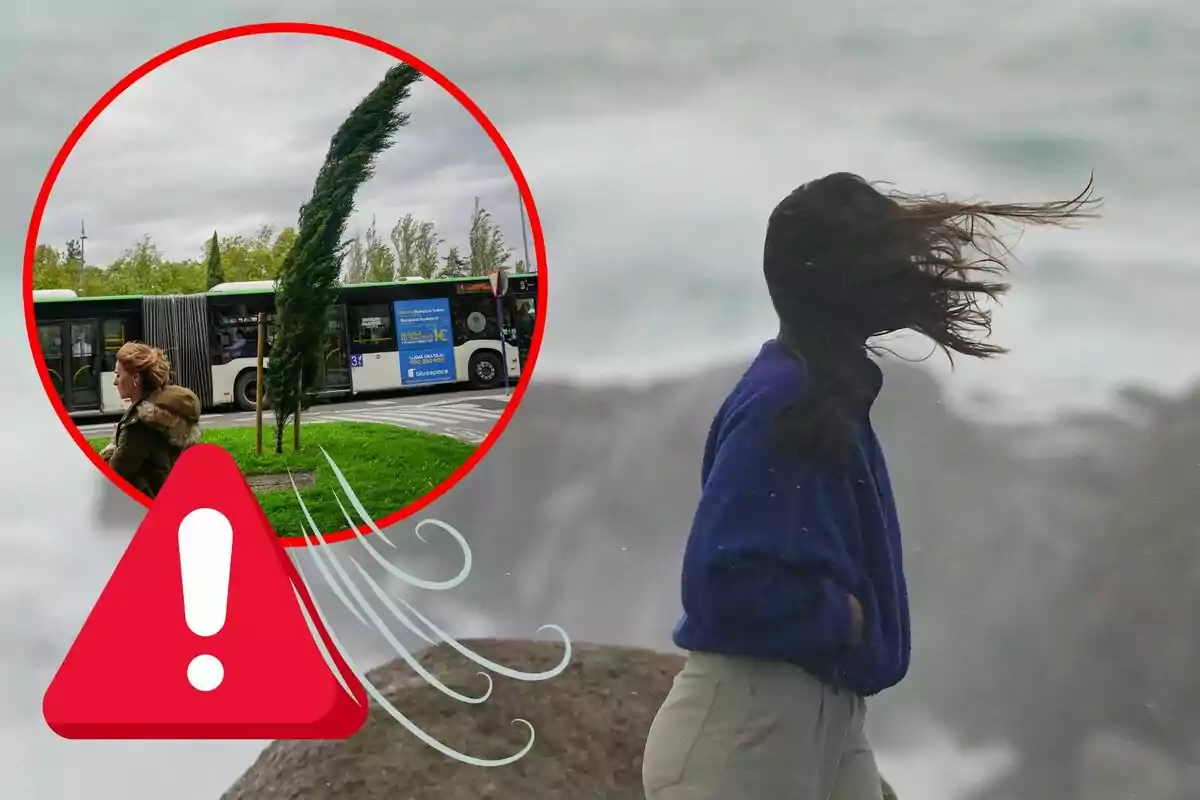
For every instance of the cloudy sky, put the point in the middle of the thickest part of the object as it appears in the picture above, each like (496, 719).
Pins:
(230, 137)
(656, 139)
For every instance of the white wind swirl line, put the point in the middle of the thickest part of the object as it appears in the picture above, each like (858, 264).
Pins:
(341, 583)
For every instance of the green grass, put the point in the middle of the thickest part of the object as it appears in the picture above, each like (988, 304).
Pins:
(388, 467)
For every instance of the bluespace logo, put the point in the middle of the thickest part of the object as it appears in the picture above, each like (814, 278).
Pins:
(428, 374)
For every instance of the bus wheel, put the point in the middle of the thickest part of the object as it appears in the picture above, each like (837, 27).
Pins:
(245, 391)
(485, 370)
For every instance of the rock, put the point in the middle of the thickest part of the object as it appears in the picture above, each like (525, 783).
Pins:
(591, 723)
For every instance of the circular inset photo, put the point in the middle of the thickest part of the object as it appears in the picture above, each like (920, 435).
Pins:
(298, 243)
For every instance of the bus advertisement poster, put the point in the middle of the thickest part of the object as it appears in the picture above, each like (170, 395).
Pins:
(425, 341)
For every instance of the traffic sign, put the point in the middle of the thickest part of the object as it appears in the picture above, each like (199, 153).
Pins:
(499, 281)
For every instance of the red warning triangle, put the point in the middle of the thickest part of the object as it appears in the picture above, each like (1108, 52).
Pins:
(130, 672)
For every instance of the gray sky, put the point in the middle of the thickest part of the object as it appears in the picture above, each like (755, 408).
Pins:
(230, 137)
(656, 137)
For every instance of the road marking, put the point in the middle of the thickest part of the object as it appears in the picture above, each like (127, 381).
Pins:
(443, 415)
(471, 412)
(454, 400)
(466, 435)
(413, 417)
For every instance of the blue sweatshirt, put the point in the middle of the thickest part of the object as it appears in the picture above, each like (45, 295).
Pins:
(778, 544)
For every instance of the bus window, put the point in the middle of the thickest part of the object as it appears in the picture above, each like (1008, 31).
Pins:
(114, 337)
(474, 318)
(51, 339)
(524, 317)
(82, 345)
(235, 334)
(372, 329)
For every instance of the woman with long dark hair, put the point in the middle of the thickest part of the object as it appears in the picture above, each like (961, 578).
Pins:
(795, 604)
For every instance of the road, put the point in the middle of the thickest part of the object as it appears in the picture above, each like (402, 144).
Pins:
(466, 415)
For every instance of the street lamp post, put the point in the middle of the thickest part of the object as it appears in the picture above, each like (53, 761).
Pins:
(524, 234)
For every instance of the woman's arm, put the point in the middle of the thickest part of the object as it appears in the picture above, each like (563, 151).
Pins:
(111, 447)
(134, 448)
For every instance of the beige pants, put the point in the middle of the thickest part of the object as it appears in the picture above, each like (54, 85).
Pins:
(745, 729)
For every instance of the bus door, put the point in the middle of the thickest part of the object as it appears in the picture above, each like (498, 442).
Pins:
(336, 351)
(115, 333)
(519, 324)
(374, 361)
(520, 314)
(72, 353)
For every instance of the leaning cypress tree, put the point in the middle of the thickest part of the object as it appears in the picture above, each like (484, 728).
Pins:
(215, 273)
(309, 275)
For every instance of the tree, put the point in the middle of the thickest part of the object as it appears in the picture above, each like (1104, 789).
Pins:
(455, 266)
(258, 257)
(403, 238)
(380, 261)
(47, 272)
(53, 269)
(355, 261)
(214, 274)
(309, 274)
(488, 250)
(75, 250)
(426, 251)
(280, 248)
(418, 248)
(93, 283)
(520, 267)
(141, 269)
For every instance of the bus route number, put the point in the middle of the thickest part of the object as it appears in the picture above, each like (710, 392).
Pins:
(356, 360)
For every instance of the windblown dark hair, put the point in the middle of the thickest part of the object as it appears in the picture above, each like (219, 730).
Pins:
(845, 262)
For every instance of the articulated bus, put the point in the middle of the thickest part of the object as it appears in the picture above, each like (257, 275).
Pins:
(380, 337)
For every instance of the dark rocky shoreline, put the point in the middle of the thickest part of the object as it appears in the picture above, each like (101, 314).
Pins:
(590, 724)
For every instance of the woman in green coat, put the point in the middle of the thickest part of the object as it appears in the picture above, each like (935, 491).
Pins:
(163, 419)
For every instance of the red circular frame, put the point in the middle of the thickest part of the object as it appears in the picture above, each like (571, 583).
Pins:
(336, 33)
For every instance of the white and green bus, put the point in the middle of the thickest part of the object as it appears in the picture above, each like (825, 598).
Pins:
(380, 337)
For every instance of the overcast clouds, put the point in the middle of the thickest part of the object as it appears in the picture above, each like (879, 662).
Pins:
(655, 136)
(231, 136)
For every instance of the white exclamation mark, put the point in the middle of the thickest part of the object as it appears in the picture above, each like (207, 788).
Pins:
(205, 554)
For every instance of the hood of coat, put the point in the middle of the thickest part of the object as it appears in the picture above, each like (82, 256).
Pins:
(175, 411)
